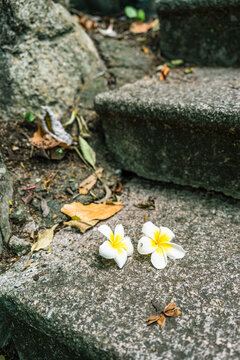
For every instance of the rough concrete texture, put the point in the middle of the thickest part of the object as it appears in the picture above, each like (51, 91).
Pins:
(185, 130)
(45, 57)
(74, 301)
(200, 31)
(19, 246)
(124, 59)
(5, 196)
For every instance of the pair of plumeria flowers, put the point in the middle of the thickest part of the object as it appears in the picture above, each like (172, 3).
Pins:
(157, 242)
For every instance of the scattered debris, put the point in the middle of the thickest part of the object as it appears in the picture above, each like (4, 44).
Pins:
(189, 71)
(45, 208)
(109, 31)
(149, 204)
(169, 311)
(164, 72)
(89, 182)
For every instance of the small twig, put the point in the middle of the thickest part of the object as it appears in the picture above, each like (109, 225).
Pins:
(30, 188)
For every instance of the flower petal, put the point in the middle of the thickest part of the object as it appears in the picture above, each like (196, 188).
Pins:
(149, 229)
(119, 231)
(107, 251)
(128, 246)
(159, 258)
(121, 258)
(173, 251)
(146, 246)
(166, 231)
(106, 231)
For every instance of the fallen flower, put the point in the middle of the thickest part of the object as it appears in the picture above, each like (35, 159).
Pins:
(157, 242)
(117, 246)
(169, 311)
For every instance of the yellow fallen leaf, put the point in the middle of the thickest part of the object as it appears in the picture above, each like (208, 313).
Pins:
(89, 182)
(86, 213)
(44, 239)
(80, 225)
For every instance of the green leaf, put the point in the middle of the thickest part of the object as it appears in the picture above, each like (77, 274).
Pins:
(87, 151)
(141, 15)
(28, 116)
(177, 62)
(131, 12)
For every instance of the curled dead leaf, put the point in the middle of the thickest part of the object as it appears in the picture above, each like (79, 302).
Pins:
(80, 225)
(164, 72)
(169, 311)
(161, 320)
(89, 182)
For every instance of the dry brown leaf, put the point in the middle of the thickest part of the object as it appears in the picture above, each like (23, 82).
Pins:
(89, 212)
(42, 140)
(152, 319)
(145, 50)
(89, 182)
(44, 239)
(139, 27)
(161, 320)
(80, 225)
(164, 72)
(169, 311)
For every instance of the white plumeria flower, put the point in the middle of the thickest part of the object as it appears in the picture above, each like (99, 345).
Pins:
(117, 246)
(157, 242)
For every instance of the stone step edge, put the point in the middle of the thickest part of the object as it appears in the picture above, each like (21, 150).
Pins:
(170, 6)
(201, 118)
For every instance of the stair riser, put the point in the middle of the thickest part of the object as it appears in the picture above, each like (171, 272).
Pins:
(184, 155)
(203, 36)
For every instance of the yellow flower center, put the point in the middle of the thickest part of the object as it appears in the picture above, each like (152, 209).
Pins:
(160, 239)
(116, 242)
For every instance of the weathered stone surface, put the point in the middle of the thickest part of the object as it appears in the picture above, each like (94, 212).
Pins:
(93, 310)
(200, 31)
(5, 196)
(5, 329)
(19, 246)
(185, 130)
(124, 59)
(109, 7)
(45, 57)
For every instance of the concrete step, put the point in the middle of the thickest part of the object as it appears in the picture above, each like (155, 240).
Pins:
(72, 304)
(185, 130)
(200, 31)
